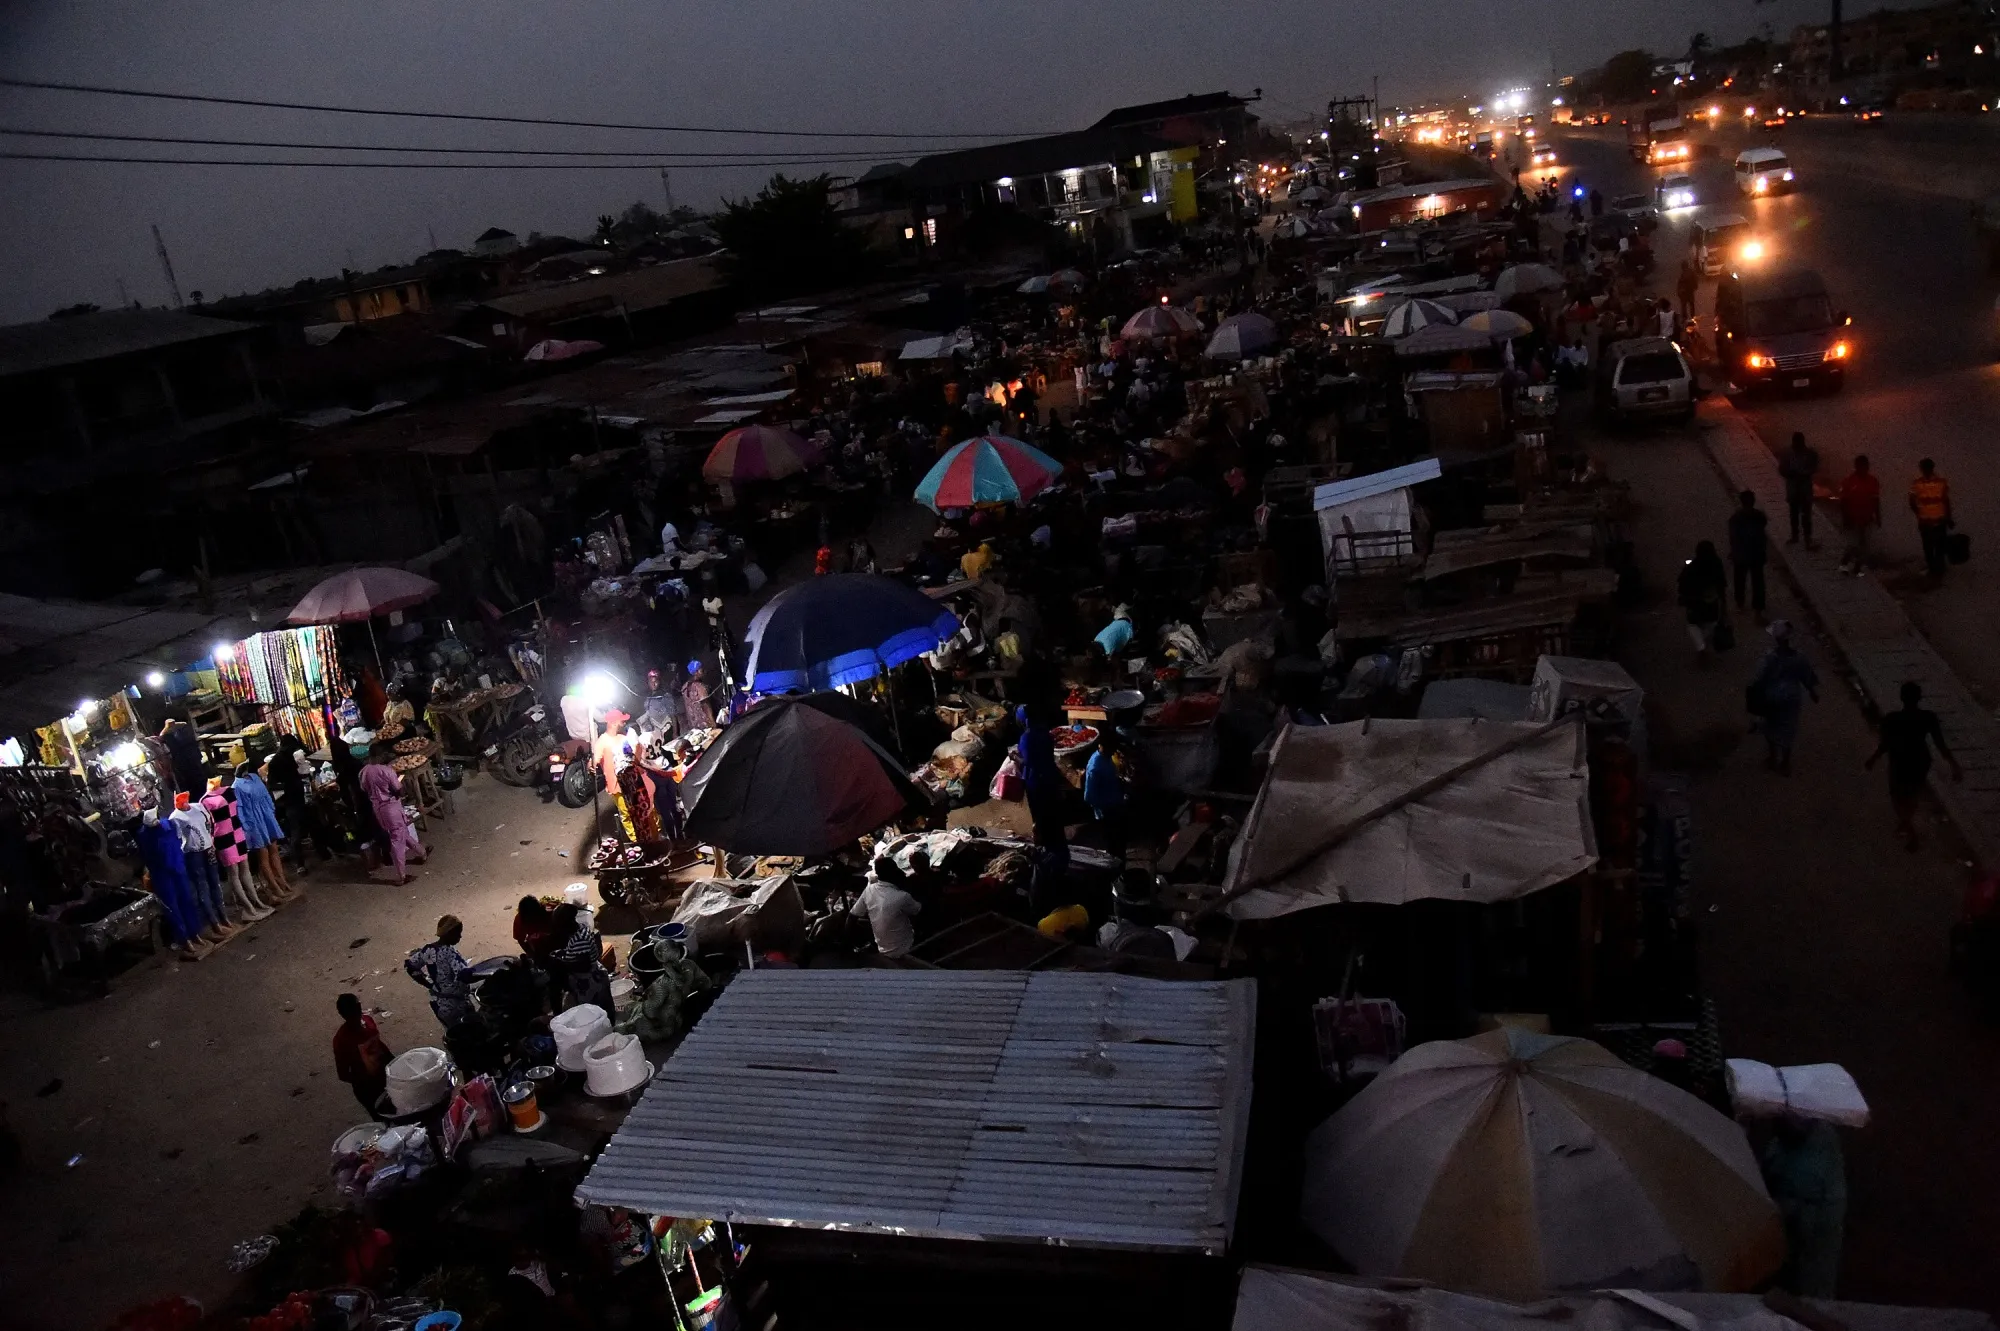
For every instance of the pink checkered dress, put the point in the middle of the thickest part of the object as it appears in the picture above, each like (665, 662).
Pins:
(221, 806)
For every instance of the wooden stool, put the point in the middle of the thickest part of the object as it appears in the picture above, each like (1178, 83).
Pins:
(424, 788)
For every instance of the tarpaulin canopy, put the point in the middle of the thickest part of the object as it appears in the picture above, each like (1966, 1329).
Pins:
(840, 629)
(1514, 1163)
(758, 453)
(787, 779)
(361, 593)
(1392, 811)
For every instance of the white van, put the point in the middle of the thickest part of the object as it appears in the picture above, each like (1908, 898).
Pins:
(1761, 171)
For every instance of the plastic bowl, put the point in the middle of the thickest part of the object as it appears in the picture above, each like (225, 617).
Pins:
(444, 1321)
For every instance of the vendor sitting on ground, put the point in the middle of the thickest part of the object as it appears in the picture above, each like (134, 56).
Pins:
(890, 910)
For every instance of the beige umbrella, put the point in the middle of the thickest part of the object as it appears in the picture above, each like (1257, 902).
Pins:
(1497, 323)
(1514, 1164)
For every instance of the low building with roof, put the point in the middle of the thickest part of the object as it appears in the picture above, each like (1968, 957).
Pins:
(1052, 1149)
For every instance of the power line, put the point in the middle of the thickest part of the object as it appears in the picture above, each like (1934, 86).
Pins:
(206, 99)
(652, 156)
(651, 165)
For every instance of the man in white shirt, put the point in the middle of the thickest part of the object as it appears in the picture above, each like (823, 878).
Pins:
(891, 912)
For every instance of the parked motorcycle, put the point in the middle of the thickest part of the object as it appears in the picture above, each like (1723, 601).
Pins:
(573, 779)
(516, 757)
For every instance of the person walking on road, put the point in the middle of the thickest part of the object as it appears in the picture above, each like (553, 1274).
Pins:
(1860, 513)
(1687, 287)
(1784, 680)
(1798, 465)
(1906, 738)
(1703, 584)
(1930, 500)
(1749, 545)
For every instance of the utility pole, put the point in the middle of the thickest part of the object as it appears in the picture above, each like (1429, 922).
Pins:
(667, 187)
(167, 266)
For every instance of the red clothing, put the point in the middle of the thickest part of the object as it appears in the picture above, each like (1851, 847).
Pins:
(359, 1056)
(1861, 499)
(532, 937)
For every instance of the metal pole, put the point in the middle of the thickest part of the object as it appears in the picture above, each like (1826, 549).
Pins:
(379, 672)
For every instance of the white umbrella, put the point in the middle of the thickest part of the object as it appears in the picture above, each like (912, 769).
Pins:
(1242, 335)
(1442, 340)
(1415, 314)
(1292, 228)
(1034, 286)
(1497, 323)
(1515, 1163)
(1310, 194)
(1527, 278)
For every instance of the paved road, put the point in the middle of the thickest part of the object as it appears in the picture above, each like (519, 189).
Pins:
(1882, 214)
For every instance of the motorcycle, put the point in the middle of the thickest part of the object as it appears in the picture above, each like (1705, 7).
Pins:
(573, 779)
(515, 758)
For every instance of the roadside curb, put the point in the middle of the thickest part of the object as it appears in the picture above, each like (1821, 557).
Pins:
(1872, 630)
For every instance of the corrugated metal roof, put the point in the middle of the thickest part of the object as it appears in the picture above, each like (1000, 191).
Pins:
(53, 654)
(1084, 1109)
(1336, 493)
(80, 339)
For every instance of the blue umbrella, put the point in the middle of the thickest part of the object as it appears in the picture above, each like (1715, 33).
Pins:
(841, 629)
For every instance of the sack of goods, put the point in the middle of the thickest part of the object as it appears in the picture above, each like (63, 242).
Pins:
(1814, 1090)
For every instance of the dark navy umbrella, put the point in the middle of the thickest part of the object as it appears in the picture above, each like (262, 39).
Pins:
(841, 629)
(788, 779)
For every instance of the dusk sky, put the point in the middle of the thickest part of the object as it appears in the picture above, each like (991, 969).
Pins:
(1001, 67)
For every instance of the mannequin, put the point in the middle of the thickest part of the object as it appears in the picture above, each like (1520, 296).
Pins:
(257, 815)
(230, 857)
(197, 836)
(160, 848)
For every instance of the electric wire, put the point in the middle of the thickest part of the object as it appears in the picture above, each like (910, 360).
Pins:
(406, 166)
(46, 85)
(739, 155)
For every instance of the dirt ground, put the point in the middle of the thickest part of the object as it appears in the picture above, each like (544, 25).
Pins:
(199, 1100)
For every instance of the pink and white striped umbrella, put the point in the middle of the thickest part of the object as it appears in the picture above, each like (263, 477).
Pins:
(1158, 321)
(759, 453)
(361, 594)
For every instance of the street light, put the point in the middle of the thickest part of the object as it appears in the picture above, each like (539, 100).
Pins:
(599, 688)
(155, 680)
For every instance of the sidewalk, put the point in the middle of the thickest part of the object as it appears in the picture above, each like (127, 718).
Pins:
(1874, 633)
(1821, 939)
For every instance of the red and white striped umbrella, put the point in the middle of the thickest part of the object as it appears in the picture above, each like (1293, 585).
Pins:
(361, 594)
(759, 453)
(1156, 321)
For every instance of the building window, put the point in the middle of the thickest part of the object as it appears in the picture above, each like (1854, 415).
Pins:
(930, 231)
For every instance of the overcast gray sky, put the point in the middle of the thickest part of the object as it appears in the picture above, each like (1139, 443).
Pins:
(74, 231)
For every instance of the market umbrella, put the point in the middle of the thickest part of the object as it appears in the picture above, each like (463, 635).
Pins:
(992, 469)
(1160, 321)
(1515, 1163)
(1242, 335)
(1291, 228)
(1415, 314)
(359, 595)
(1441, 340)
(758, 453)
(1497, 323)
(1069, 278)
(788, 779)
(840, 629)
(1310, 194)
(1034, 286)
(554, 348)
(1526, 279)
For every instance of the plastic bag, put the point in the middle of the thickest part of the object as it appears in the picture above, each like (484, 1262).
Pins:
(1007, 783)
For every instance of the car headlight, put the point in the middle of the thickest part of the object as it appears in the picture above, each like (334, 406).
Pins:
(1752, 251)
(1758, 361)
(1788, 175)
(1838, 351)
(1761, 184)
